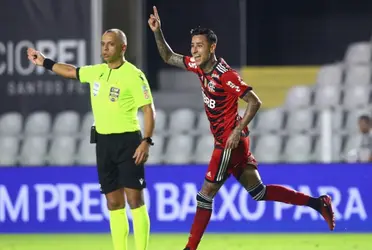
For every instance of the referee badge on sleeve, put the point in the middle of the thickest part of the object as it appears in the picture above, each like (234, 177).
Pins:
(145, 92)
(114, 94)
(95, 89)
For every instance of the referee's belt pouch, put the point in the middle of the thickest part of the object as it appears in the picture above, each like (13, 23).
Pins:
(93, 135)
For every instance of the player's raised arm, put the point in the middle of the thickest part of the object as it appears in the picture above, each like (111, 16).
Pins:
(165, 50)
(62, 69)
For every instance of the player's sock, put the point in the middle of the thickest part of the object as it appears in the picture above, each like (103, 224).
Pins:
(141, 227)
(283, 194)
(119, 227)
(201, 220)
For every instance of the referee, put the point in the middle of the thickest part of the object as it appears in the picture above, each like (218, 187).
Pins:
(117, 90)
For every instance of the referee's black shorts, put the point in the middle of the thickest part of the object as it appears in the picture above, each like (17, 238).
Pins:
(115, 162)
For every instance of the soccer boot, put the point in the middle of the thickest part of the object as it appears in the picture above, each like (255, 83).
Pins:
(326, 211)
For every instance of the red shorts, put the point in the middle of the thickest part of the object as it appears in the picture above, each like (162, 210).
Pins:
(225, 162)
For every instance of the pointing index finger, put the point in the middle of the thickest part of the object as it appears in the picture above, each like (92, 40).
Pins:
(156, 12)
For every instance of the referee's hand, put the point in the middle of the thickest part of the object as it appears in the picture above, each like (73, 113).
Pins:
(35, 57)
(142, 153)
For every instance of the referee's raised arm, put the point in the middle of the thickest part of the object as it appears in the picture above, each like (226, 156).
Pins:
(62, 69)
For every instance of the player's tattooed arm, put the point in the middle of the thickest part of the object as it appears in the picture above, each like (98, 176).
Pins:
(166, 52)
(164, 49)
(177, 60)
(253, 105)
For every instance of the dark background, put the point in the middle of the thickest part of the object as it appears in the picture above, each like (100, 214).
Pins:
(304, 32)
(31, 21)
(277, 32)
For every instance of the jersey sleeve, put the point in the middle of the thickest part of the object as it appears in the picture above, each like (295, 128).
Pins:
(141, 90)
(234, 84)
(190, 64)
(88, 73)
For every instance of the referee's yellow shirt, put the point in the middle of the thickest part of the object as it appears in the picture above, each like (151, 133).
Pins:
(116, 95)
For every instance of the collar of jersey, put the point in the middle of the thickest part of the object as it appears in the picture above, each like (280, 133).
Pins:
(118, 67)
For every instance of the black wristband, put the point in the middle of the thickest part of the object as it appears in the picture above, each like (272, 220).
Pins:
(48, 64)
(148, 140)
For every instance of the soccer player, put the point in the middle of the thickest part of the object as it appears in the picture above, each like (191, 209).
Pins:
(221, 88)
(118, 89)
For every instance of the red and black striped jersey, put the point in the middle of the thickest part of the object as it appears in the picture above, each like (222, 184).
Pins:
(221, 90)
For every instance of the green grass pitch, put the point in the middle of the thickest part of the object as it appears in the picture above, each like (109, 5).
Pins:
(177, 242)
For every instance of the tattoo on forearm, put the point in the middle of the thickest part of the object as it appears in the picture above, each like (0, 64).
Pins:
(176, 60)
(166, 52)
(253, 105)
(251, 111)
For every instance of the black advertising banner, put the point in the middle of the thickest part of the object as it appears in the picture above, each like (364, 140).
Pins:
(61, 30)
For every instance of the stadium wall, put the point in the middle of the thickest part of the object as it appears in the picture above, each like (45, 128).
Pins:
(67, 200)
(272, 83)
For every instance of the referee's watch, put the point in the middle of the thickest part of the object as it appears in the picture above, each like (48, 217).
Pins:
(148, 140)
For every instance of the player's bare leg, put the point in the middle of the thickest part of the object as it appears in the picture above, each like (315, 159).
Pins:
(203, 213)
(141, 221)
(119, 225)
(250, 179)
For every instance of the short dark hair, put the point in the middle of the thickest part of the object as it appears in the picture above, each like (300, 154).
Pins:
(365, 118)
(211, 36)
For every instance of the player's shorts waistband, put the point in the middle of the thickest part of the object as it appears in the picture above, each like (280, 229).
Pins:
(119, 136)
